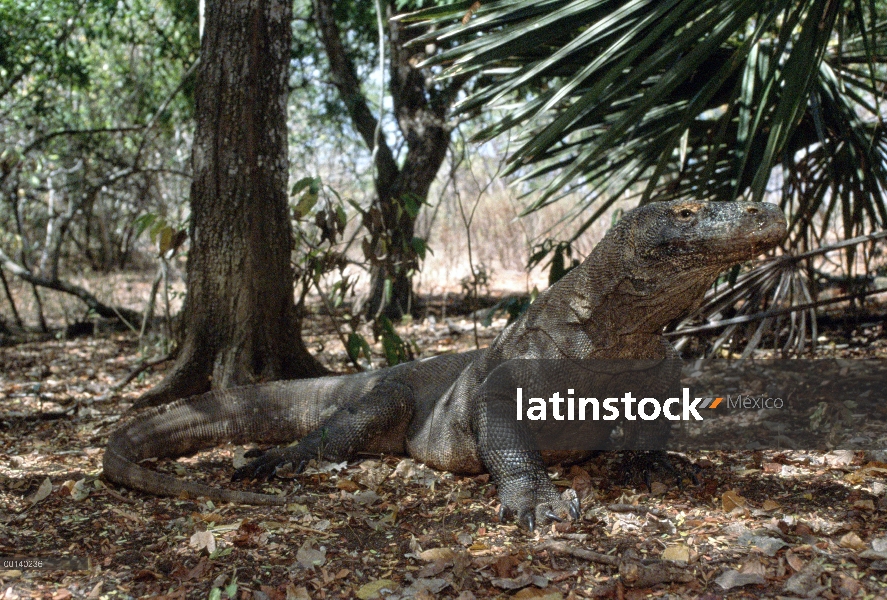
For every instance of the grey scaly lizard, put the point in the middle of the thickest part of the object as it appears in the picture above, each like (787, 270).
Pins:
(651, 268)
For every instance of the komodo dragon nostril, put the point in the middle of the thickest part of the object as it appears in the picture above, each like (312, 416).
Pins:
(752, 210)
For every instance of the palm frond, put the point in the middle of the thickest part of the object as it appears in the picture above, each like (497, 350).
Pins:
(709, 99)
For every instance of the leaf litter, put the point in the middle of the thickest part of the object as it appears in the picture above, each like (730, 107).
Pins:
(766, 523)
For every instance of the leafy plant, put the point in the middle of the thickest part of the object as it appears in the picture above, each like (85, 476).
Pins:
(707, 99)
(321, 218)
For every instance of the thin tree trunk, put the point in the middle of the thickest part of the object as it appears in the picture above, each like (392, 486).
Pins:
(8, 292)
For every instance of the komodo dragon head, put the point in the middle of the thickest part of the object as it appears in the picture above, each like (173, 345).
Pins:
(657, 263)
(713, 235)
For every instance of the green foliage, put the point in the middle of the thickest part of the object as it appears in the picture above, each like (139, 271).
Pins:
(420, 247)
(356, 346)
(308, 190)
(230, 590)
(396, 350)
(93, 102)
(65, 59)
(707, 99)
(412, 204)
(513, 306)
(167, 237)
(320, 255)
(561, 263)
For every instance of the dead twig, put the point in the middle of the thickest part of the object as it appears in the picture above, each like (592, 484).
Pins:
(566, 549)
(141, 368)
(632, 573)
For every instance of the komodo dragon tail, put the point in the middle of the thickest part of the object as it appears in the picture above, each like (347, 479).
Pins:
(271, 413)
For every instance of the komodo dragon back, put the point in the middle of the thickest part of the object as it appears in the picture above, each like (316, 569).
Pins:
(651, 268)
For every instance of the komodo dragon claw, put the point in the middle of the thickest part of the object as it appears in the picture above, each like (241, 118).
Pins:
(527, 519)
(267, 464)
(556, 509)
(574, 507)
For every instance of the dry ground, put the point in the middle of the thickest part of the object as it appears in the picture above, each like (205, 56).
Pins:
(758, 524)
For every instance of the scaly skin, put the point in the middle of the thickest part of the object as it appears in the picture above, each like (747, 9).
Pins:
(652, 268)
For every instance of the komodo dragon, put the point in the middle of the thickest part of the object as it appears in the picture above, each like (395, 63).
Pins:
(652, 268)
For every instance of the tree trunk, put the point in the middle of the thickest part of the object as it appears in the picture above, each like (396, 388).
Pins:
(240, 320)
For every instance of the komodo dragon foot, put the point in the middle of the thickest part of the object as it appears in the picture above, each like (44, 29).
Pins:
(532, 504)
(267, 464)
(641, 465)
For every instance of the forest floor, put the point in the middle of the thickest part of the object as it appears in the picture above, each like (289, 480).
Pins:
(759, 523)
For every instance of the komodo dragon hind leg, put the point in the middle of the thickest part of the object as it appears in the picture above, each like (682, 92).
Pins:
(382, 413)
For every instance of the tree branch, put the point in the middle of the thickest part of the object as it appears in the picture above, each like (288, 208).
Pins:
(345, 79)
(49, 136)
(103, 310)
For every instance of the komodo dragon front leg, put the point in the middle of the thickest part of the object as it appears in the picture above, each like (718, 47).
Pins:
(509, 452)
(374, 422)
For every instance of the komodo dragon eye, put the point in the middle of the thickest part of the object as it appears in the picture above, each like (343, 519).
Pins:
(686, 213)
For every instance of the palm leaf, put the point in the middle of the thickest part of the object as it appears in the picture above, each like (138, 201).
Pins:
(774, 296)
(707, 99)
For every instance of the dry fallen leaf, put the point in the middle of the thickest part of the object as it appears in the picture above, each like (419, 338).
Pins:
(512, 583)
(80, 490)
(96, 591)
(42, 492)
(374, 589)
(770, 505)
(537, 594)
(753, 566)
(347, 485)
(437, 555)
(677, 553)
(372, 474)
(794, 561)
(732, 578)
(310, 557)
(657, 488)
(864, 505)
(203, 539)
(852, 541)
(297, 593)
(731, 500)
(239, 460)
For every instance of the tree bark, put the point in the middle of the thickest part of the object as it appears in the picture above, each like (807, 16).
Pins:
(240, 319)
